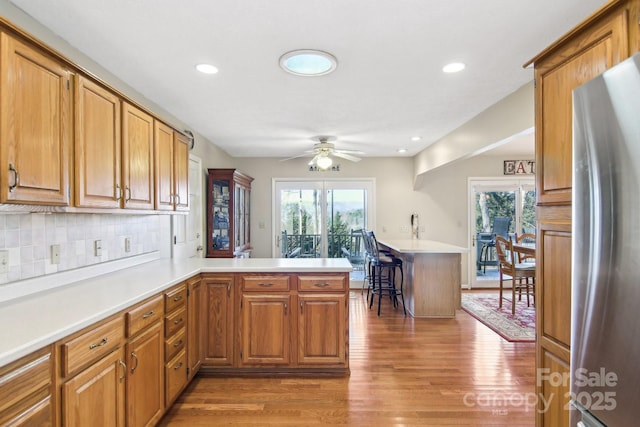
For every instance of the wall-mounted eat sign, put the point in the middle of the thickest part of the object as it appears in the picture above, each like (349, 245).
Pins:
(519, 167)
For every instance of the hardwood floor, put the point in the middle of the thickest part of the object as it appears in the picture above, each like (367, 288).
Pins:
(404, 372)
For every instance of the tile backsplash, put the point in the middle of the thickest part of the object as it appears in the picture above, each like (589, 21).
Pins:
(28, 239)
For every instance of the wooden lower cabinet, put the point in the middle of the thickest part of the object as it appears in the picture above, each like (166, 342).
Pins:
(194, 328)
(275, 322)
(322, 329)
(96, 396)
(176, 373)
(25, 391)
(265, 329)
(218, 320)
(145, 378)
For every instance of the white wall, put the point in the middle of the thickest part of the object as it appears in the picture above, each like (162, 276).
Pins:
(441, 202)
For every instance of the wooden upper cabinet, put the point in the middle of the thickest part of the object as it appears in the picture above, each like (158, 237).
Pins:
(172, 168)
(35, 126)
(582, 58)
(137, 158)
(164, 166)
(97, 146)
(181, 146)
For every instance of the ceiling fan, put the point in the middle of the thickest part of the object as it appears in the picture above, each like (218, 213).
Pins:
(324, 149)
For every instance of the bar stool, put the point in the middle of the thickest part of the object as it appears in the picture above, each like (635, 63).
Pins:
(382, 274)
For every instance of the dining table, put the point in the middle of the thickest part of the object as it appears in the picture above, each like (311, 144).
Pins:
(525, 248)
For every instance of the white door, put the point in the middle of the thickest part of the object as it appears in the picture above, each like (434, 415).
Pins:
(187, 229)
(490, 198)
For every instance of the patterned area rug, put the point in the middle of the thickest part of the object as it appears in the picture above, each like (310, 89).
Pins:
(484, 307)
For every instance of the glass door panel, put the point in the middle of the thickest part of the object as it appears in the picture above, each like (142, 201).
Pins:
(322, 219)
(491, 199)
(300, 222)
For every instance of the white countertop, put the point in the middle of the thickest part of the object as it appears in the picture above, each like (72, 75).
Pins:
(417, 246)
(34, 321)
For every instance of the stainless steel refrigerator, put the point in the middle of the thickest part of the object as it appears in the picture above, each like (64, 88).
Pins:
(605, 312)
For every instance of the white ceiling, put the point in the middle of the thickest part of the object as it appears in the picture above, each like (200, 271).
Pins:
(387, 88)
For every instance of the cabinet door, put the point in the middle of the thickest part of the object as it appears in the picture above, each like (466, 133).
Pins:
(97, 146)
(145, 381)
(322, 329)
(35, 126)
(25, 391)
(584, 58)
(218, 320)
(95, 397)
(137, 158)
(194, 341)
(265, 329)
(163, 147)
(181, 171)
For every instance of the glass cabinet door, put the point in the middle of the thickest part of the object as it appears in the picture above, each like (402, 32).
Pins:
(221, 211)
(228, 193)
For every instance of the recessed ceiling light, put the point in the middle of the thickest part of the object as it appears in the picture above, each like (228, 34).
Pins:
(308, 62)
(416, 138)
(454, 67)
(402, 150)
(207, 68)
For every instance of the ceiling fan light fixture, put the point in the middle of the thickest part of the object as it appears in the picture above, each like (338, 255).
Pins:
(324, 162)
(308, 62)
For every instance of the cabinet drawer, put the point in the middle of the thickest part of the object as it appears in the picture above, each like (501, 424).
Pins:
(144, 315)
(175, 298)
(91, 345)
(176, 376)
(174, 344)
(266, 282)
(322, 283)
(174, 321)
(25, 377)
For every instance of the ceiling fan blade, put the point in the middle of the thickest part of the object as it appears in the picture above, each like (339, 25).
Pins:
(349, 151)
(346, 156)
(295, 157)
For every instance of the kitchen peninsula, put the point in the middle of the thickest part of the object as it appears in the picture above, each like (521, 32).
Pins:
(431, 275)
(149, 328)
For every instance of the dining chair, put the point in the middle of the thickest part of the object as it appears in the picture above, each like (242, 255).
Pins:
(518, 272)
(526, 238)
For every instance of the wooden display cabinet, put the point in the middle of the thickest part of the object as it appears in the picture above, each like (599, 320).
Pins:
(228, 213)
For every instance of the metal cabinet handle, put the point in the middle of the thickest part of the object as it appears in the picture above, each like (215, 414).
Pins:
(178, 366)
(177, 344)
(300, 307)
(177, 298)
(175, 322)
(16, 177)
(228, 289)
(134, 356)
(118, 192)
(285, 308)
(321, 285)
(266, 285)
(99, 344)
(149, 314)
(124, 370)
(128, 191)
(178, 197)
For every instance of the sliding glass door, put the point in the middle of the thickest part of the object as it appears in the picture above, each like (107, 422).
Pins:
(316, 219)
(493, 201)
